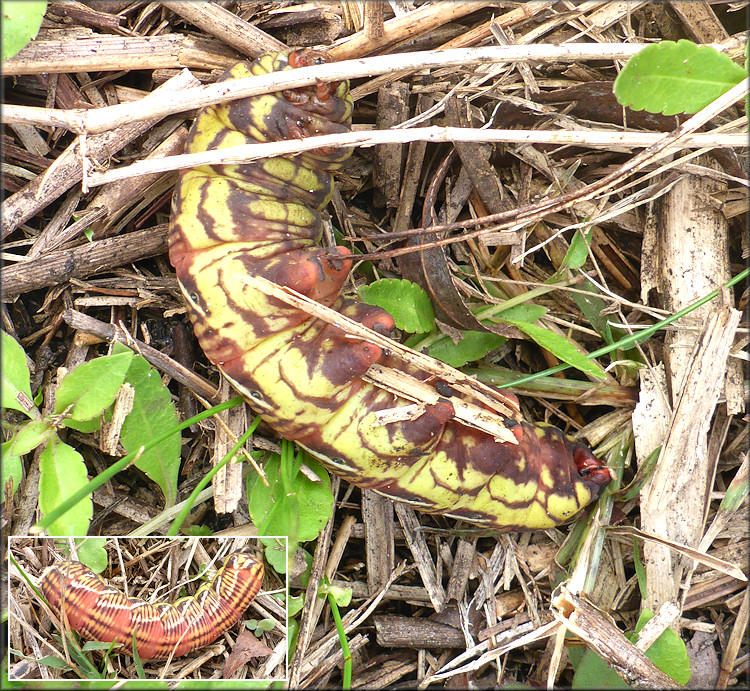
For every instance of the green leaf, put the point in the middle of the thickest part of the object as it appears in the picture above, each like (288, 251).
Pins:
(673, 78)
(11, 467)
(296, 603)
(85, 426)
(16, 378)
(54, 662)
(21, 20)
(473, 346)
(153, 413)
(95, 645)
(667, 652)
(92, 553)
(736, 492)
(526, 312)
(640, 569)
(559, 346)
(405, 301)
(304, 577)
(275, 553)
(300, 510)
(645, 470)
(593, 308)
(62, 472)
(92, 386)
(578, 252)
(342, 596)
(29, 436)
(591, 672)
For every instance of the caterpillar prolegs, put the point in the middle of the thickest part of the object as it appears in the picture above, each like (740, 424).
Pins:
(304, 376)
(100, 612)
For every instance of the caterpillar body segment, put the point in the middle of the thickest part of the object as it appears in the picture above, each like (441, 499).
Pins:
(304, 376)
(100, 612)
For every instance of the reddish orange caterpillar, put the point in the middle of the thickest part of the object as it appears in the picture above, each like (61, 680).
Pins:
(100, 612)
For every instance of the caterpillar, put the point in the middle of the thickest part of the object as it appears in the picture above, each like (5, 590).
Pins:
(304, 376)
(100, 612)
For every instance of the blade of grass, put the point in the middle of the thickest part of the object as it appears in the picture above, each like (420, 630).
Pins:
(634, 338)
(174, 529)
(347, 680)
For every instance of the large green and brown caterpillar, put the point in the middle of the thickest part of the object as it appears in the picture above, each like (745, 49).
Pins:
(304, 376)
(100, 612)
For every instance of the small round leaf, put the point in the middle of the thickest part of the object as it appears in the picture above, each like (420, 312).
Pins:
(21, 20)
(671, 78)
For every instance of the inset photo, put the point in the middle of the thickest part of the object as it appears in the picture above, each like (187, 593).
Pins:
(147, 608)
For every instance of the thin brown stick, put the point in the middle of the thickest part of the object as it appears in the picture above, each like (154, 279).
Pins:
(83, 261)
